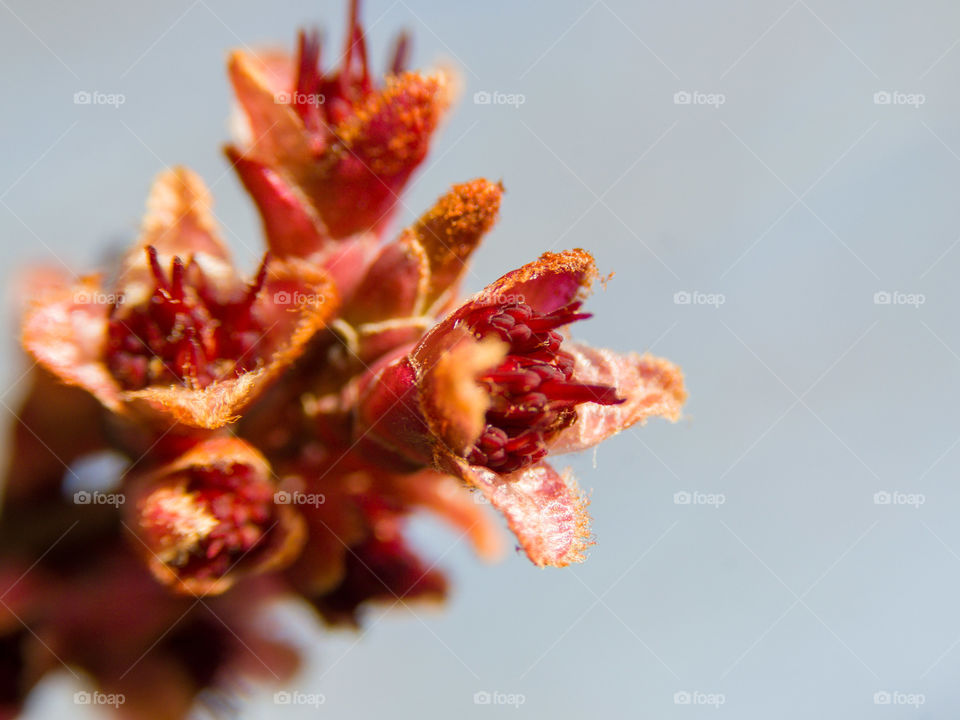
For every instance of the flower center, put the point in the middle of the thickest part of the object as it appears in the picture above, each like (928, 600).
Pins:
(533, 394)
(184, 333)
(208, 518)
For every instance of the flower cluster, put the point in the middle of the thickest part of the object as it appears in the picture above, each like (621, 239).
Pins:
(269, 436)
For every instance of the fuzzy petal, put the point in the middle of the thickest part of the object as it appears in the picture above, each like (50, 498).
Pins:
(452, 400)
(64, 330)
(451, 230)
(277, 134)
(652, 387)
(179, 222)
(544, 509)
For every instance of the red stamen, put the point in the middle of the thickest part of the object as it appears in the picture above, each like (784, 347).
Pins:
(155, 269)
(308, 79)
(533, 393)
(197, 335)
(400, 54)
(346, 71)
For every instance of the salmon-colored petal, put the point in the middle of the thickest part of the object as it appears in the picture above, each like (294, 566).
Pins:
(277, 135)
(651, 387)
(64, 330)
(210, 408)
(544, 509)
(179, 222)
(449, 498)
(451, 399)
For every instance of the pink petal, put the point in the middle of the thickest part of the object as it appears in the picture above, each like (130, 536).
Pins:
(545, 510)
(652, 386)
(64, 330)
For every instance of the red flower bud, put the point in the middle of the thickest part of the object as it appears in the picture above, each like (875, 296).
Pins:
(331, 141)
(211, 516)
(180, 338)
(494, 388)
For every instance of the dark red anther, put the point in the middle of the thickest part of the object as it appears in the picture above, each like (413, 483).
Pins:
(533, 394)
(187, 332)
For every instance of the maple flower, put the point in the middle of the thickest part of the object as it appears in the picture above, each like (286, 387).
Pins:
(270, 436)
(494, 387)
(179, 337)
(211, 515)
(327, 153)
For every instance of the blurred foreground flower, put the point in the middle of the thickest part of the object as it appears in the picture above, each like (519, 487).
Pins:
(196, 444)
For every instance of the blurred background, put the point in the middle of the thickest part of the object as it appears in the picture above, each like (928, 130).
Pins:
(774, 185)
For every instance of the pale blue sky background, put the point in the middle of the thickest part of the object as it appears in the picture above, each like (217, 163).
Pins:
(797, 200)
